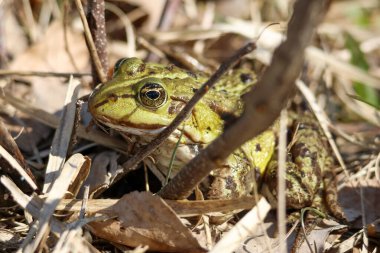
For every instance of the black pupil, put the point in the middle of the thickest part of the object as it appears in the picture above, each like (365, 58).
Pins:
(153, 94)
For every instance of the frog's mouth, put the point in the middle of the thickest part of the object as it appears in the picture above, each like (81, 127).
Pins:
(136, 129)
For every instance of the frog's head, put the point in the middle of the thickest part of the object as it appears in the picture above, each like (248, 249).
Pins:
(141, 98)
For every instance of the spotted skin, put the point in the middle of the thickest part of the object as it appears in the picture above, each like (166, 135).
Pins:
(310, 180)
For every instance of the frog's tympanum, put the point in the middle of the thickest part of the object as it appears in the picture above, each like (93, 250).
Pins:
(143, 98)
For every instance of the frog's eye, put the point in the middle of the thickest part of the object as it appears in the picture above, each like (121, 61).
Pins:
(118, 64)
(152, 95)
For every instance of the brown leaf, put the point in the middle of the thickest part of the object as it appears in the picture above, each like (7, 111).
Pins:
(350, 200)
(318, 236)
(103, 167)
(144, 219)
(49, 54)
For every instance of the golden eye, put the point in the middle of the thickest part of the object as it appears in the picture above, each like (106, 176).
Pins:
(152, 95)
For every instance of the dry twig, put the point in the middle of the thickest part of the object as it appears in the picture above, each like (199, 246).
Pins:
(97, 24)
(90, 42)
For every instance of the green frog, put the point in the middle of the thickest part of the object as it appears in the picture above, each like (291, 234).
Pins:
(143, 98)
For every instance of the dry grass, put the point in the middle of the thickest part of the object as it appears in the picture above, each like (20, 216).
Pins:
(42, 44)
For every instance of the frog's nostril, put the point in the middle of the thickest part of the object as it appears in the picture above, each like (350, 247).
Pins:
(246, 78)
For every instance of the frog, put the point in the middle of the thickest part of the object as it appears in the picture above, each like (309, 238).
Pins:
(142, 99)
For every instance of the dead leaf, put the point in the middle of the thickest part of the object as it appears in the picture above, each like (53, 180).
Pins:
(144, 219)
(48, 54)
(103, 168)
(350, 200)
(12, 32)
(318, 236)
